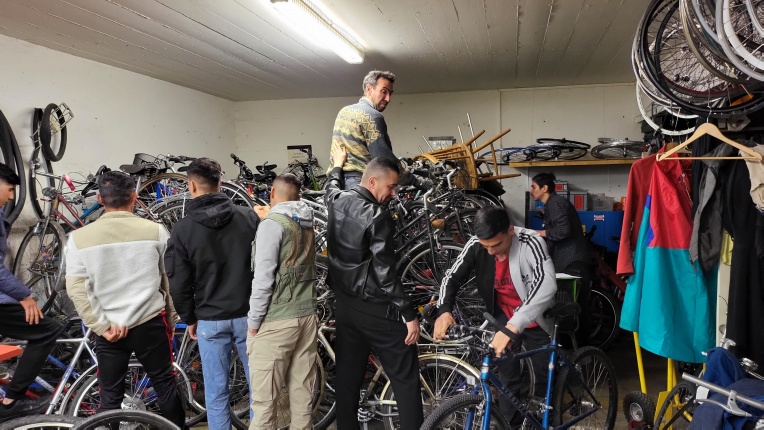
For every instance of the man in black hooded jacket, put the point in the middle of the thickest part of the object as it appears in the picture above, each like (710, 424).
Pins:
(208, 263)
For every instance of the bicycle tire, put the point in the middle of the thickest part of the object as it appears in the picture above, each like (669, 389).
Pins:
(460, 378)
(40, 254)
(170, 213)
(320, 223)
(162, 189)
(682, 396)
(42, 182)
(42, 422)
(14, 160)
(238, 394)
(87, 397)
(105, 419)
(570, 398)
(638, 409)
(605, 314)
(530, 153)
(326, 408)
(191, 363)
(617, 150)
(46, 135)
(238, 195)
(441, 418)
(562, 142)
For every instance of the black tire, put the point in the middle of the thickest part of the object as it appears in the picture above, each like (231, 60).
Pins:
(677, 409)
(604, 317)
(152, 421)
(42, 422)
(638, 409)
(169, 214)
(38, 183)
(570, 398)
(446, 416)
(46, 135)
(41, 254)
(191, 363)
(12, 158)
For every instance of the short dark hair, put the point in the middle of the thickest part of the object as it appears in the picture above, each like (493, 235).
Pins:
(382, 165)
(8, 175)
(372, 77)
(490, 221)
(546, 178)
(116, 189)
(205, 171)
(292, 181)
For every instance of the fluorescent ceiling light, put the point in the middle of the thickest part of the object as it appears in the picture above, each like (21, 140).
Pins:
(307, 19)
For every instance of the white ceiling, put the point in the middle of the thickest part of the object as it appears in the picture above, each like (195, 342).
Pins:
(241, 50)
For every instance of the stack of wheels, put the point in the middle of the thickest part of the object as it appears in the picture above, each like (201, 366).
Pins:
(12, 158)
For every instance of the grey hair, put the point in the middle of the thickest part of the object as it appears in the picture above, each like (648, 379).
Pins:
(372, 77)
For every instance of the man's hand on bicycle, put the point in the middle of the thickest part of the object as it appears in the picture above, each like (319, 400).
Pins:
(442, 324)
(501, 341)
(32, 311)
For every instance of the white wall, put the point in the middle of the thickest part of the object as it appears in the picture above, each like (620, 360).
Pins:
(116, 113)
(265, 128)
(582, 113)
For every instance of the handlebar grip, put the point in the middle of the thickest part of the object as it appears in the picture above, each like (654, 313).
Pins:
(235, 158)
(500, 327)
(69, 182)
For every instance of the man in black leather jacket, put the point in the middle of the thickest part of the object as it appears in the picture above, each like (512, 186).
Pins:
(373, 311)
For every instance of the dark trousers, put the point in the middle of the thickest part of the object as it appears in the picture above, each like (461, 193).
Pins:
(41, 338)
(357, 334)
(511, 372)
(584, 291)
(151, 343)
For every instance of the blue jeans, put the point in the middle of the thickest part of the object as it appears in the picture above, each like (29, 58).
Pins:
(216, 341)
(352, 180)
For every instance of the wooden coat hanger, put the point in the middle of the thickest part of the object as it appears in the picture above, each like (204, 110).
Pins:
(711, 130)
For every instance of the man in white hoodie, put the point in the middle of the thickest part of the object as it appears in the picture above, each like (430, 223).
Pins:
(281, 343)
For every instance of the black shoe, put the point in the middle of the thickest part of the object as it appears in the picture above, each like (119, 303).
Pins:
(23, 407)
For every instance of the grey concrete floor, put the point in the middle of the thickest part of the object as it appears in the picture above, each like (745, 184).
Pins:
(624, 359)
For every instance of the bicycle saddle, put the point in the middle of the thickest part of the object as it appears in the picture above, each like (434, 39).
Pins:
(562, 310)
(265, 168)
(266, 176)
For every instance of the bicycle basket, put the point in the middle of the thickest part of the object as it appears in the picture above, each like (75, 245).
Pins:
(153, 164)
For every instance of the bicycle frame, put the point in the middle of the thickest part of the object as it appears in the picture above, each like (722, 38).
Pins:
(487, 379)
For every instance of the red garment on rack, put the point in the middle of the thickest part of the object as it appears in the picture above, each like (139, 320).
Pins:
(636, 193)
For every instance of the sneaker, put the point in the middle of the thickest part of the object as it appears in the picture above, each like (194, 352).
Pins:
(23, 407)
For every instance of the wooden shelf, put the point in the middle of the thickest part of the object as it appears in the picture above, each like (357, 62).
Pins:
(579, 162)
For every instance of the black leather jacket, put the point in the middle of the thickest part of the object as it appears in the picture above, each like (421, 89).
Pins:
(362, 262)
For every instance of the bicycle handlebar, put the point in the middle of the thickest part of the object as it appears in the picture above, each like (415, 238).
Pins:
(500, 327)
(179, 158)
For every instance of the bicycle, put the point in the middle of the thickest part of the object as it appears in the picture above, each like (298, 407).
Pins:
(310, 173)
(573, 398)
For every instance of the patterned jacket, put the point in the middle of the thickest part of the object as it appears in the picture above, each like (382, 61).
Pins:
(363, 131)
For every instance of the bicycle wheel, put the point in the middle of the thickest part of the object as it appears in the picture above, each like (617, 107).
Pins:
(326, 408)
(238, 195)
(605, 315)
(578, 389)
(42, 422)
(454, 412)
(320, 223)
(170, 213)
(618, 150)
(41, 253)
(189, 359)
(132, 419)
(551, 141)
(677, 409)
(162, 189)
(37, 183)
(238, 392)
(441, 377)
(139, 394)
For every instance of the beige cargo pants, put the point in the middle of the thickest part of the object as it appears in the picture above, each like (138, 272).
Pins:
(282, 358)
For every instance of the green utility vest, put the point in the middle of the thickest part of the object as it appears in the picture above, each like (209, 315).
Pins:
(294, 291)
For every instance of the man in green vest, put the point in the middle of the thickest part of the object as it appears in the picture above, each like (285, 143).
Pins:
(281, 343)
